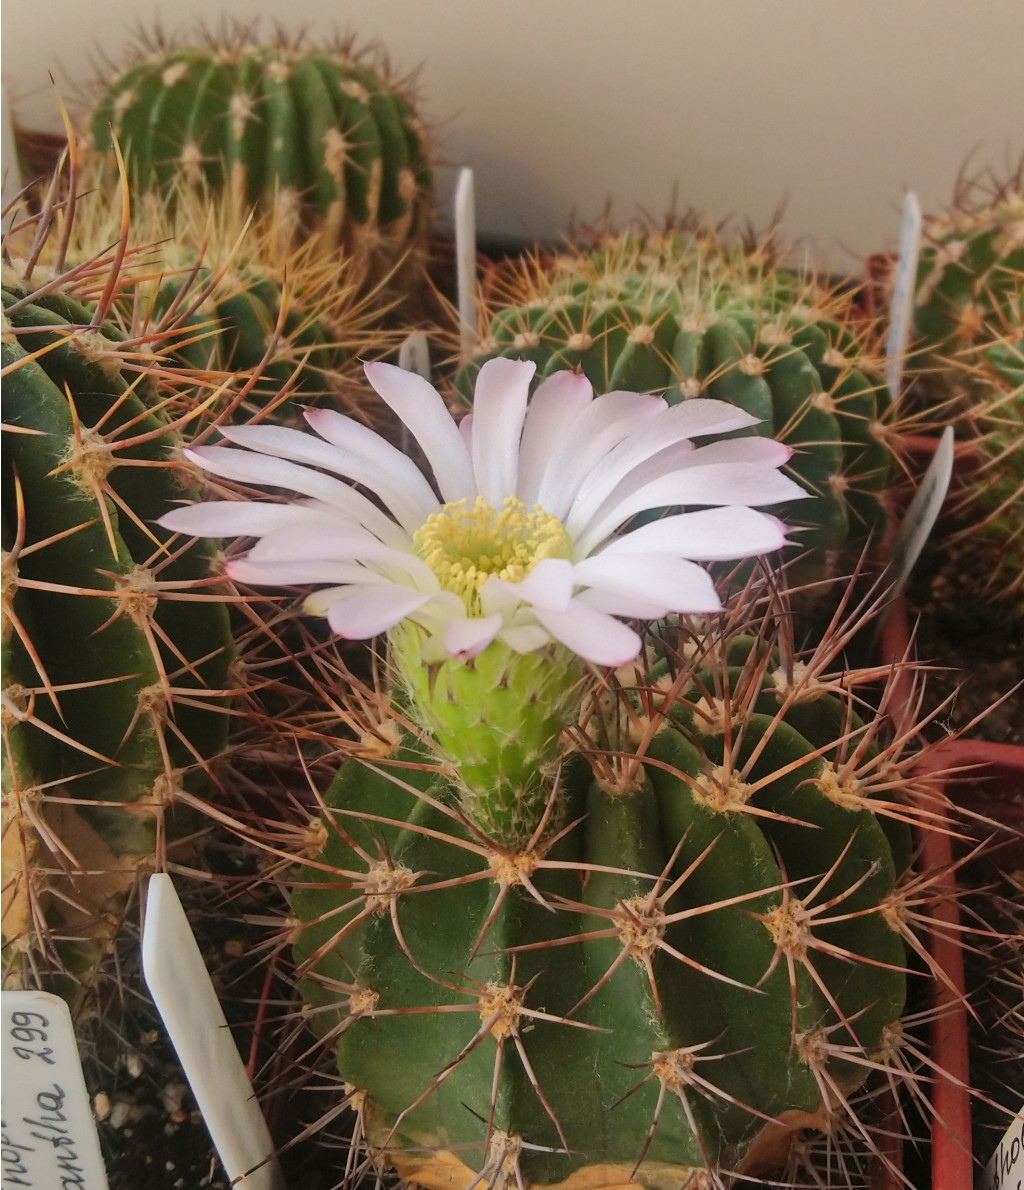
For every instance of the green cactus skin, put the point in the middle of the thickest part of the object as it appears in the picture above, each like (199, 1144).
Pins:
(700, 956)
(318, 134)
(969, 271)
(116, 645)
(680, 315)
(992, 500)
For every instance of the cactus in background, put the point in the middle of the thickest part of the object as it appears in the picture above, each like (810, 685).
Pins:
(293, 321)
(116, 649)
(684, 315)
(991, 503)
(969, 272)
(321, 135)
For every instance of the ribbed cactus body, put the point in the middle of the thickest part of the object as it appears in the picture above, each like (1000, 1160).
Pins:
(992, 500)
(116, 647)
(682, 316)
(316, 133)
(666, 981)
(969, 276)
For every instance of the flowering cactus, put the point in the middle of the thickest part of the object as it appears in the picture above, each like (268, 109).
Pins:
(683, 315)
(560, 925)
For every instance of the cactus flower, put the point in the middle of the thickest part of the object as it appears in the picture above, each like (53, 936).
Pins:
(522, 540)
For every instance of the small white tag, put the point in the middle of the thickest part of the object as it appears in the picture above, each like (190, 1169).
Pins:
(414, 354)
(465, 258)
(1005, 1171)
(49, 1134)
(902, 307)
(191, 1012)
(922, 513)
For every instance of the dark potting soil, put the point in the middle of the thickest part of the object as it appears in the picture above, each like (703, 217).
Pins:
(973, 637)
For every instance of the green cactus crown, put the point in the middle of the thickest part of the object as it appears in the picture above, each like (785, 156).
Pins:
(321, 134)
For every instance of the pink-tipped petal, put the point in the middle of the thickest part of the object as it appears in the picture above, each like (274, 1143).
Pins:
(244, 466)
(465, 637)
(593, 635)
(598, 429)
(421, 408)
(743, 483)
(549, 584)
(672, 582)
(367, 611)
(553, 409)
(499, 407)
(708, 535)
(239, 518)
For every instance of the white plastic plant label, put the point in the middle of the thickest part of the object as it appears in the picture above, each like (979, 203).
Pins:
(414, 354)
(465, 258)
(195, 1022)
(902, 308)
(922, 513)
(49, 1137)
(1005, 1170)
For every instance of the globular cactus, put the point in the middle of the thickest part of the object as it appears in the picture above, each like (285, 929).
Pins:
(697, 959)
(288, 323)
(969, 273)
(116, 646)
(321, 134)
(683, 315)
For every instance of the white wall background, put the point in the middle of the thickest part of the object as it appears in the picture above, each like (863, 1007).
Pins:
(835, 106)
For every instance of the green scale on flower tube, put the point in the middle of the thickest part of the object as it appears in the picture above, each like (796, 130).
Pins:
(497, 716)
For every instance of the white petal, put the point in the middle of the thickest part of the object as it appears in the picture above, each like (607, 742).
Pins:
(240, 518)
(368, 611)
(704, 415)
(466, 636)
(708, 535)
(246, 467)
(297, 574)
(420, 406)
(403, 474)
(553, 409)
(719, 483)
(750, 449)
(525, 638)
(637, 608)
(665, 438)
(323, 543)
(549, 584)
(594, 636)
(410, 507)
(599, 428)
(678, 585)
(499, 407)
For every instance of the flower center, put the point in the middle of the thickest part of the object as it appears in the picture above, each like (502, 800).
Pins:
(465, 546)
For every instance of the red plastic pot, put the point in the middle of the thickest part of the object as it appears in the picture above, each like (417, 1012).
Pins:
(996, 791)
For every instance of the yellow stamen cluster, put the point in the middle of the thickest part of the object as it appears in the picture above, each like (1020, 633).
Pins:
(464, 546)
